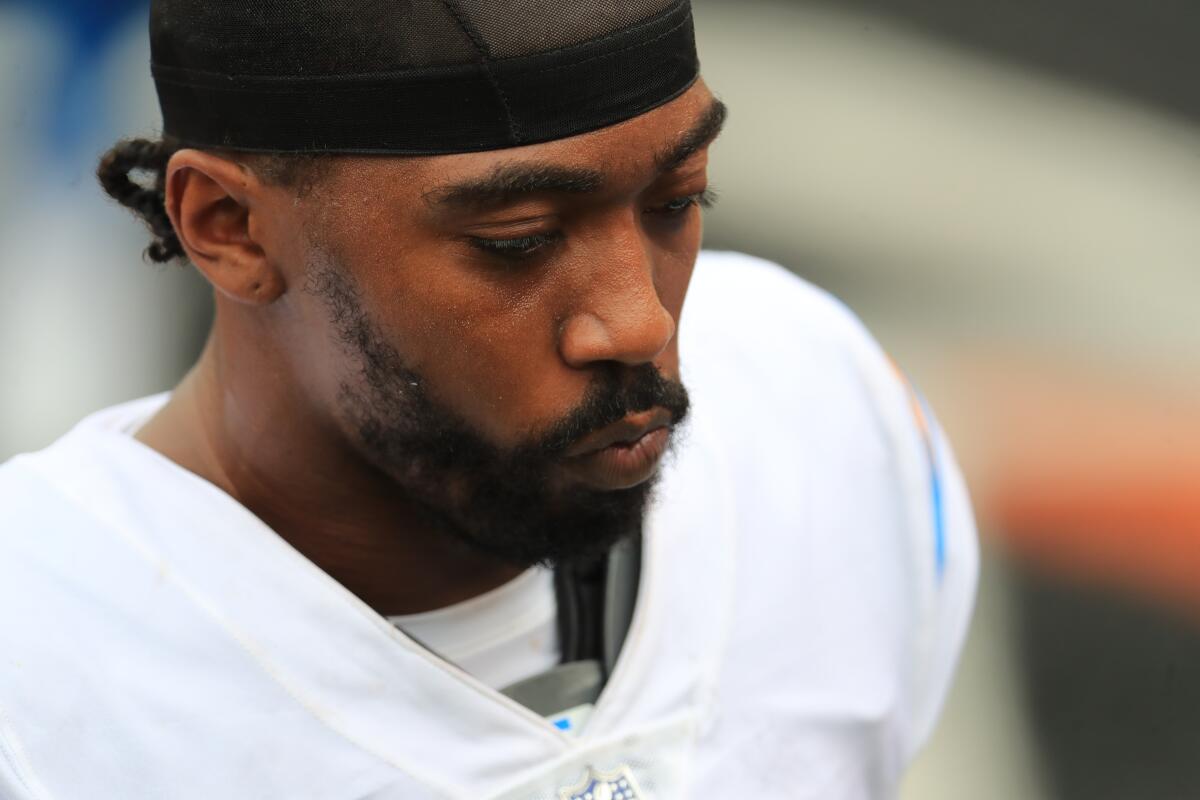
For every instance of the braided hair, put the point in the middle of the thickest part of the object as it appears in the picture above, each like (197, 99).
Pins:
(146, 200)
(121, 164)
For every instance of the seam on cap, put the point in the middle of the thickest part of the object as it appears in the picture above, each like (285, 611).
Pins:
(627, 48)
(485, 59)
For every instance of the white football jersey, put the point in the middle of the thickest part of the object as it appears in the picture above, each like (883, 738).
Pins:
(809, 569)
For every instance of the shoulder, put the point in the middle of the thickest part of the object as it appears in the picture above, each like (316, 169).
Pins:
(751, 290)
(87, 470)
(102, 625)
(67, 562)
(54, 556)
(758, 342)
(71, 520)
(35, 514)
(58, 546)
(855, 530)
(55, 493)
(750, 311)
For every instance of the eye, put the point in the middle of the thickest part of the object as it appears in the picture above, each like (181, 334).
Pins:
(673, 208)
(517, 249)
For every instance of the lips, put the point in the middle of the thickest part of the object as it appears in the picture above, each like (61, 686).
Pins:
(626, 431)
(621, 455)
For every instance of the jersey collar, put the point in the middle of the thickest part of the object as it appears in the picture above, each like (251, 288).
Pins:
(375, 686)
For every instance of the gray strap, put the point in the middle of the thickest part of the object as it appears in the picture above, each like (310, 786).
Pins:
(580, 682)
(620, 596)
(566, 686)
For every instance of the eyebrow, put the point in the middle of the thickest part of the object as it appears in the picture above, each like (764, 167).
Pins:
(511, 181)
(700, 136)
(508, 182)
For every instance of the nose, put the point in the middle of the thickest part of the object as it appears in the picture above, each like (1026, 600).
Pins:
(620, 318)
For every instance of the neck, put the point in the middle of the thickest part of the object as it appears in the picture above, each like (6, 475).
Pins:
(238, 426)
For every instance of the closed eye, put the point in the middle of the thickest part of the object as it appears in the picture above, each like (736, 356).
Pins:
(704, 199)
(517, 248)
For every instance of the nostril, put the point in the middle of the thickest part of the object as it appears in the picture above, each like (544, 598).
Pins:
(583, 340)
(634, 336)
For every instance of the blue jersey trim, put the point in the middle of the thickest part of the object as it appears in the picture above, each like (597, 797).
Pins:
(935, 486)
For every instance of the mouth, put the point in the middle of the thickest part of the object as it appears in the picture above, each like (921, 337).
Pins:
(624, 454)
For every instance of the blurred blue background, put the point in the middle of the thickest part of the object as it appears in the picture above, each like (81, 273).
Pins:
(1007, 193)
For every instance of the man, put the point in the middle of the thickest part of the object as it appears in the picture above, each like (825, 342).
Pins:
(409, 528)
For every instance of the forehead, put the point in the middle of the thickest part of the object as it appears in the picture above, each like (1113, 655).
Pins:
(632, 148)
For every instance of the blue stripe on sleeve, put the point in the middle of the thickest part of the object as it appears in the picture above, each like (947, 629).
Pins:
(935, 485)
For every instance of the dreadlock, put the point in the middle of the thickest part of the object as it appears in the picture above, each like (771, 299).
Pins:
(121, 165)
(146, 201)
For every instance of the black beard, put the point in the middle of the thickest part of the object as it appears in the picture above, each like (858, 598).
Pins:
(499, 501)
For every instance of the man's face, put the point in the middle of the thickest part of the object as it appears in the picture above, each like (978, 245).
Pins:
(497, 331)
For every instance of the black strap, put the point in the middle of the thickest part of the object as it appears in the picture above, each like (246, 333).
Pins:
(436, 109)
(596, 600)
(595, 604)
(579, 587)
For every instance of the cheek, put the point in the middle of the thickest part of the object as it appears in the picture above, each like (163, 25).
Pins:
(676, 263)
(488, 342)
(673, 280)
(485, 341)
(673, 287)
(484, 346)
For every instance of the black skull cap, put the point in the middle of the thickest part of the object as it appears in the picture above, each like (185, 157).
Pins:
(412, 76)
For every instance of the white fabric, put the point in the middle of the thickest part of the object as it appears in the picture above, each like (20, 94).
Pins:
(501, 636)
(803, 602)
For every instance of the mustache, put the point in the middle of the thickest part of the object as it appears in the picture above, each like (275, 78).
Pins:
(613, 395)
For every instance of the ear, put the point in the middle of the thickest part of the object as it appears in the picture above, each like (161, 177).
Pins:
(211, 201)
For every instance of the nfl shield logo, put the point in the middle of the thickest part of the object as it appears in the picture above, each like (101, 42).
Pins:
(616, 785)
